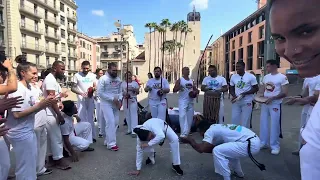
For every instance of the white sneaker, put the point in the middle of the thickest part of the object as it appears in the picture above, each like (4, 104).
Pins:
(264, 146)
(153, 161)
(275, 151)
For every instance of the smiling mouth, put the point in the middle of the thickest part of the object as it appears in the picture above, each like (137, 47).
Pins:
(305, 61)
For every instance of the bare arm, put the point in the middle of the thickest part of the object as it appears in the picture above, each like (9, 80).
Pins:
(12, 83)
(69, 147)
(176, 87)
(232, 91)
(205, 88)
(74, 89)
(204, 147)
(283, 93)
(55, 105)
(224, 89)
(254, 89)
(27, 112)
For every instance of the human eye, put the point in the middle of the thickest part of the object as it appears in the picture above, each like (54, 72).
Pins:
(278, 38)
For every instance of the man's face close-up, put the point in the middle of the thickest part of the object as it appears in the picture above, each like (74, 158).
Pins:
(295, 27)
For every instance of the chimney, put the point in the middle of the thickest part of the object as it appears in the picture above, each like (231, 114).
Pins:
(261, 3)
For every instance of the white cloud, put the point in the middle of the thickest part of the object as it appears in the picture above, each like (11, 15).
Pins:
(200, 4)
(98, 12)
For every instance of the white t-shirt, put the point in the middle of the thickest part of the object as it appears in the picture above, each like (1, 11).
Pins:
(273, 85)
(215, 83)
(21, 129)
(50, 83)
(41, 116)
(187, 86)
(96, 92)
(224, 133)
(84, 82)
(243, 84)
(68, 127)
(133, 84)
(157, 127)
(156, 85)
(312, 83)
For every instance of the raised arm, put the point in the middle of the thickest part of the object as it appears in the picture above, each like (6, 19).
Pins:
(12, 81)
(177, 86)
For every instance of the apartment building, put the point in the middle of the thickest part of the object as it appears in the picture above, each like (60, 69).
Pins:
(43, 30)
(3, 29)
(118, 49)
(88, 49)
(216, 55)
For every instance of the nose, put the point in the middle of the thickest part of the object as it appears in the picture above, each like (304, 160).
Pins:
(292, 50)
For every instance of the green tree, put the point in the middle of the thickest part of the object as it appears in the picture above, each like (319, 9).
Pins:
(154, 26)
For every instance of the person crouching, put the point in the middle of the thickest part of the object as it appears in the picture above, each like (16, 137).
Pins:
(155, 131)
(75, 137)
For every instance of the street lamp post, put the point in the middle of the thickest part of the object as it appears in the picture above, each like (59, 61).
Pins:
(122, 32)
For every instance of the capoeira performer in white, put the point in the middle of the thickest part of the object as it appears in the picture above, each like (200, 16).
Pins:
(153, 132)
(21, 121)
(216, 84)
(275, 86)
(312, 91)
(158, 87)
(41, 131)
(242, 87)
(110, 93)
(99, 73)
(51, 87)
(185, 86)
(84, 84)
(130, 89)
(227, 143)
(75, 137)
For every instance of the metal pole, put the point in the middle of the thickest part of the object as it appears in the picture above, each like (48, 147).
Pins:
(121, 56)
(269, 48)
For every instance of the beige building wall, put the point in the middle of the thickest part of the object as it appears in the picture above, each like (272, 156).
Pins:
(191, 49)
(3, 28)
(39, 29)
(217, 55)
(88, 49)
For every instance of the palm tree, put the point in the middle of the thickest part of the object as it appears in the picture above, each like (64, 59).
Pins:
(186, 30)
(165, 23)
(148, 25)
(174, 29)
(154, 26)
(182, 25)
(179, 46)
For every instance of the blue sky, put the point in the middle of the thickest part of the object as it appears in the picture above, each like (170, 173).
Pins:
(96, 17)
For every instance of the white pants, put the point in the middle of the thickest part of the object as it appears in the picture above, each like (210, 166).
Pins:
(304, 118)
(221, 112)
(186, 112)
(109, 123)
(4, 159)
(85, 112)
(41, 134)
(54, 140)
(131, 113)
(274, 111)
(241, 113)
(309, 162)
(25, 153)
(173, 140)
(231, 153)
(83, 137)
(98, 115)
(158, 108)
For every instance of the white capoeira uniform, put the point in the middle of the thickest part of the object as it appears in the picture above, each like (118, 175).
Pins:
(231, 143)
(242, 109)
(186, 106)
(310, 167)
(216, 84)
(162, 131)
(273, 85)
(5, 159)
(80, 134)
(131, 110)
(97, 105)
(54, 141)
(157, 104)
(85, 104)
(109, 89)
(21, 135)
(41, 133)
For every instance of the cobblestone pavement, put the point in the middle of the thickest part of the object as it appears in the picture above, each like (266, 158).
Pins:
(103, 164)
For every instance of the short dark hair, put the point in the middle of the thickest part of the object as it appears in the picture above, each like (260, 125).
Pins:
(241, 63)
(212, 67)
(112, 64)
(85, 63)
(98, 70)
(142, 133)
(150, 74)
(56, 63)
(203, 125)
(68, 106)
(272, 62)
(157, 67)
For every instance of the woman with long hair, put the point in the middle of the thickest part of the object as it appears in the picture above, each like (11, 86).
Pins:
(98, 73)
(21, 121)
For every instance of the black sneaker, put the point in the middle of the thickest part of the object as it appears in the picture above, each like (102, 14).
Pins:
(148, 161)
(100, 136)
(177, 169)
(65, 153)
(94, 140)
(48, 171)
(88, 149)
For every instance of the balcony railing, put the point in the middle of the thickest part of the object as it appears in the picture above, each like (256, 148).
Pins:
(2, 43)
(31, 46)
(53, 36)
(1, 3)
(2, 23)
(52, 20)
(73, 30)
(72, 55)
(52, 50)
(71, 68)
(31, 28)
(71, 42)
(31, 11)
(72, 17)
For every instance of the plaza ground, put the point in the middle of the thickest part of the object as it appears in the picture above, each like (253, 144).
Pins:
(103, 164)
